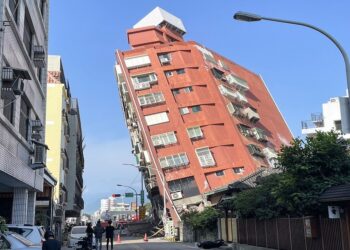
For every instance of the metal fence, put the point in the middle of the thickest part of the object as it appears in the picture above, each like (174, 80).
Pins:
(294, 233)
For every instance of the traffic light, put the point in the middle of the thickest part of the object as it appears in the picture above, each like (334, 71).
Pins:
(116, 195)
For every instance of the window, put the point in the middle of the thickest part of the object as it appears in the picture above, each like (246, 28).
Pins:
(9, 109)
(196, 109)
(21, 231)
(238, 170)
(150, 99)
(337, 125)
(164, 59)
(188, 89)
(195, 132)
(28, 34)
(143, 81)
(42, 7)
(205, 158)
(24, 119)
(176, 91)
(14, 4)
(217, 73)
(184, 111)
(168, 73)
(137, 61)
(164, 139)
(255, 150)
(187, 186)
(156, 118)
(220, 173)
(180, 71)
(176, 160)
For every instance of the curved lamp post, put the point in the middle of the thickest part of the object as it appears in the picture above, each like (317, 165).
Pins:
(249, 17)
(163, 183)
(120, 185)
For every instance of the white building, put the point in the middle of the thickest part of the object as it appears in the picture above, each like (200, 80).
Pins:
(105, 205)
(23, 66)
(335, 116)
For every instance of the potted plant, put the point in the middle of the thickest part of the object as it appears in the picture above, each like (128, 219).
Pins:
(3, 226)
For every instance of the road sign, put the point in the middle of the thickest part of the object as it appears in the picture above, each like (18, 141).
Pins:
(129, 195)
(142, 197)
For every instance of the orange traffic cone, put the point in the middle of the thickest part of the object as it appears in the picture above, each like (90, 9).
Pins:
(145, 238)
(118, 239)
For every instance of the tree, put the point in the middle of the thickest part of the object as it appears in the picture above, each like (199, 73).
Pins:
(308, 167)
(202, 220)
(258, 202)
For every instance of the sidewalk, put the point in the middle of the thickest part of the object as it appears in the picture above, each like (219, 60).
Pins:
(231, 246)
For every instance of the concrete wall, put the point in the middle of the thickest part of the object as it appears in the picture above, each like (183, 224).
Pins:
(54, 132)
(15, 150)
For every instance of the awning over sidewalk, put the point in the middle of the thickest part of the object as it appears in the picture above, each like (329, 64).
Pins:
(336, 193)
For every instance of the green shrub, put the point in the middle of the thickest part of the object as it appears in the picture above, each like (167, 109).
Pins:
(205, 220)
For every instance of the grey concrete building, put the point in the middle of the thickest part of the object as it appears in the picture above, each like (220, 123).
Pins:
(75, 203)
(23, 60)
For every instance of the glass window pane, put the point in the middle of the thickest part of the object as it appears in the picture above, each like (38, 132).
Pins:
(196, 109)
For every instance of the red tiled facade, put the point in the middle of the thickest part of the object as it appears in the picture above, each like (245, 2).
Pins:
(196, 92)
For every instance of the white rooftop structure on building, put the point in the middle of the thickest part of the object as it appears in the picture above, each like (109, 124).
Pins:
(335, 116)
(160, 17)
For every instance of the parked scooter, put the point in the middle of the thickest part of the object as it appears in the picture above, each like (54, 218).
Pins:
(83, 244)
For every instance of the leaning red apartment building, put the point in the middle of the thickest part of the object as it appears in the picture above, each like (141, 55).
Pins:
(198, 121)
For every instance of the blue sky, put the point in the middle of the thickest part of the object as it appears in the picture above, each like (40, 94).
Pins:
(301, 67)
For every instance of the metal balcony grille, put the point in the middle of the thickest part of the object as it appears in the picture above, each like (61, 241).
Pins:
(7, 74)
(39, 56)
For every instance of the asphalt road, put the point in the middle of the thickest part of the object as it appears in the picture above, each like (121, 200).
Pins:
(153, 244)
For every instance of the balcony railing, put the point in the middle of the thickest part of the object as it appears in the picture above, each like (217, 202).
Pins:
(39, 56)
(237, 82)
(259, 134)
(232, 94)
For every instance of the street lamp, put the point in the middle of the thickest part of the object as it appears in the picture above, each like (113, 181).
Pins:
(249, 17)
(161, 175)
(142, 191)
(120, 185)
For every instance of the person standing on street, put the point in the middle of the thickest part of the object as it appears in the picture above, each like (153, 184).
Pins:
(98, 231)
(110, 234)
(51, 243)
(89, 232)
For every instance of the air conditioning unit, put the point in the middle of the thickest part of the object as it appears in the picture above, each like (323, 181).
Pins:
(165, 60)
(134, 125)
(176, 195)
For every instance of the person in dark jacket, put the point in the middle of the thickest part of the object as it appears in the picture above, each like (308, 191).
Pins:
(110, 234)
(89, 233)
(98, 231)
(51, 243)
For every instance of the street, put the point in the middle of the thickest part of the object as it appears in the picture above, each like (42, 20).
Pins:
(132, 243)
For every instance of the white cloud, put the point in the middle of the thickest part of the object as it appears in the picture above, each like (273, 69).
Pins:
(104, 169)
